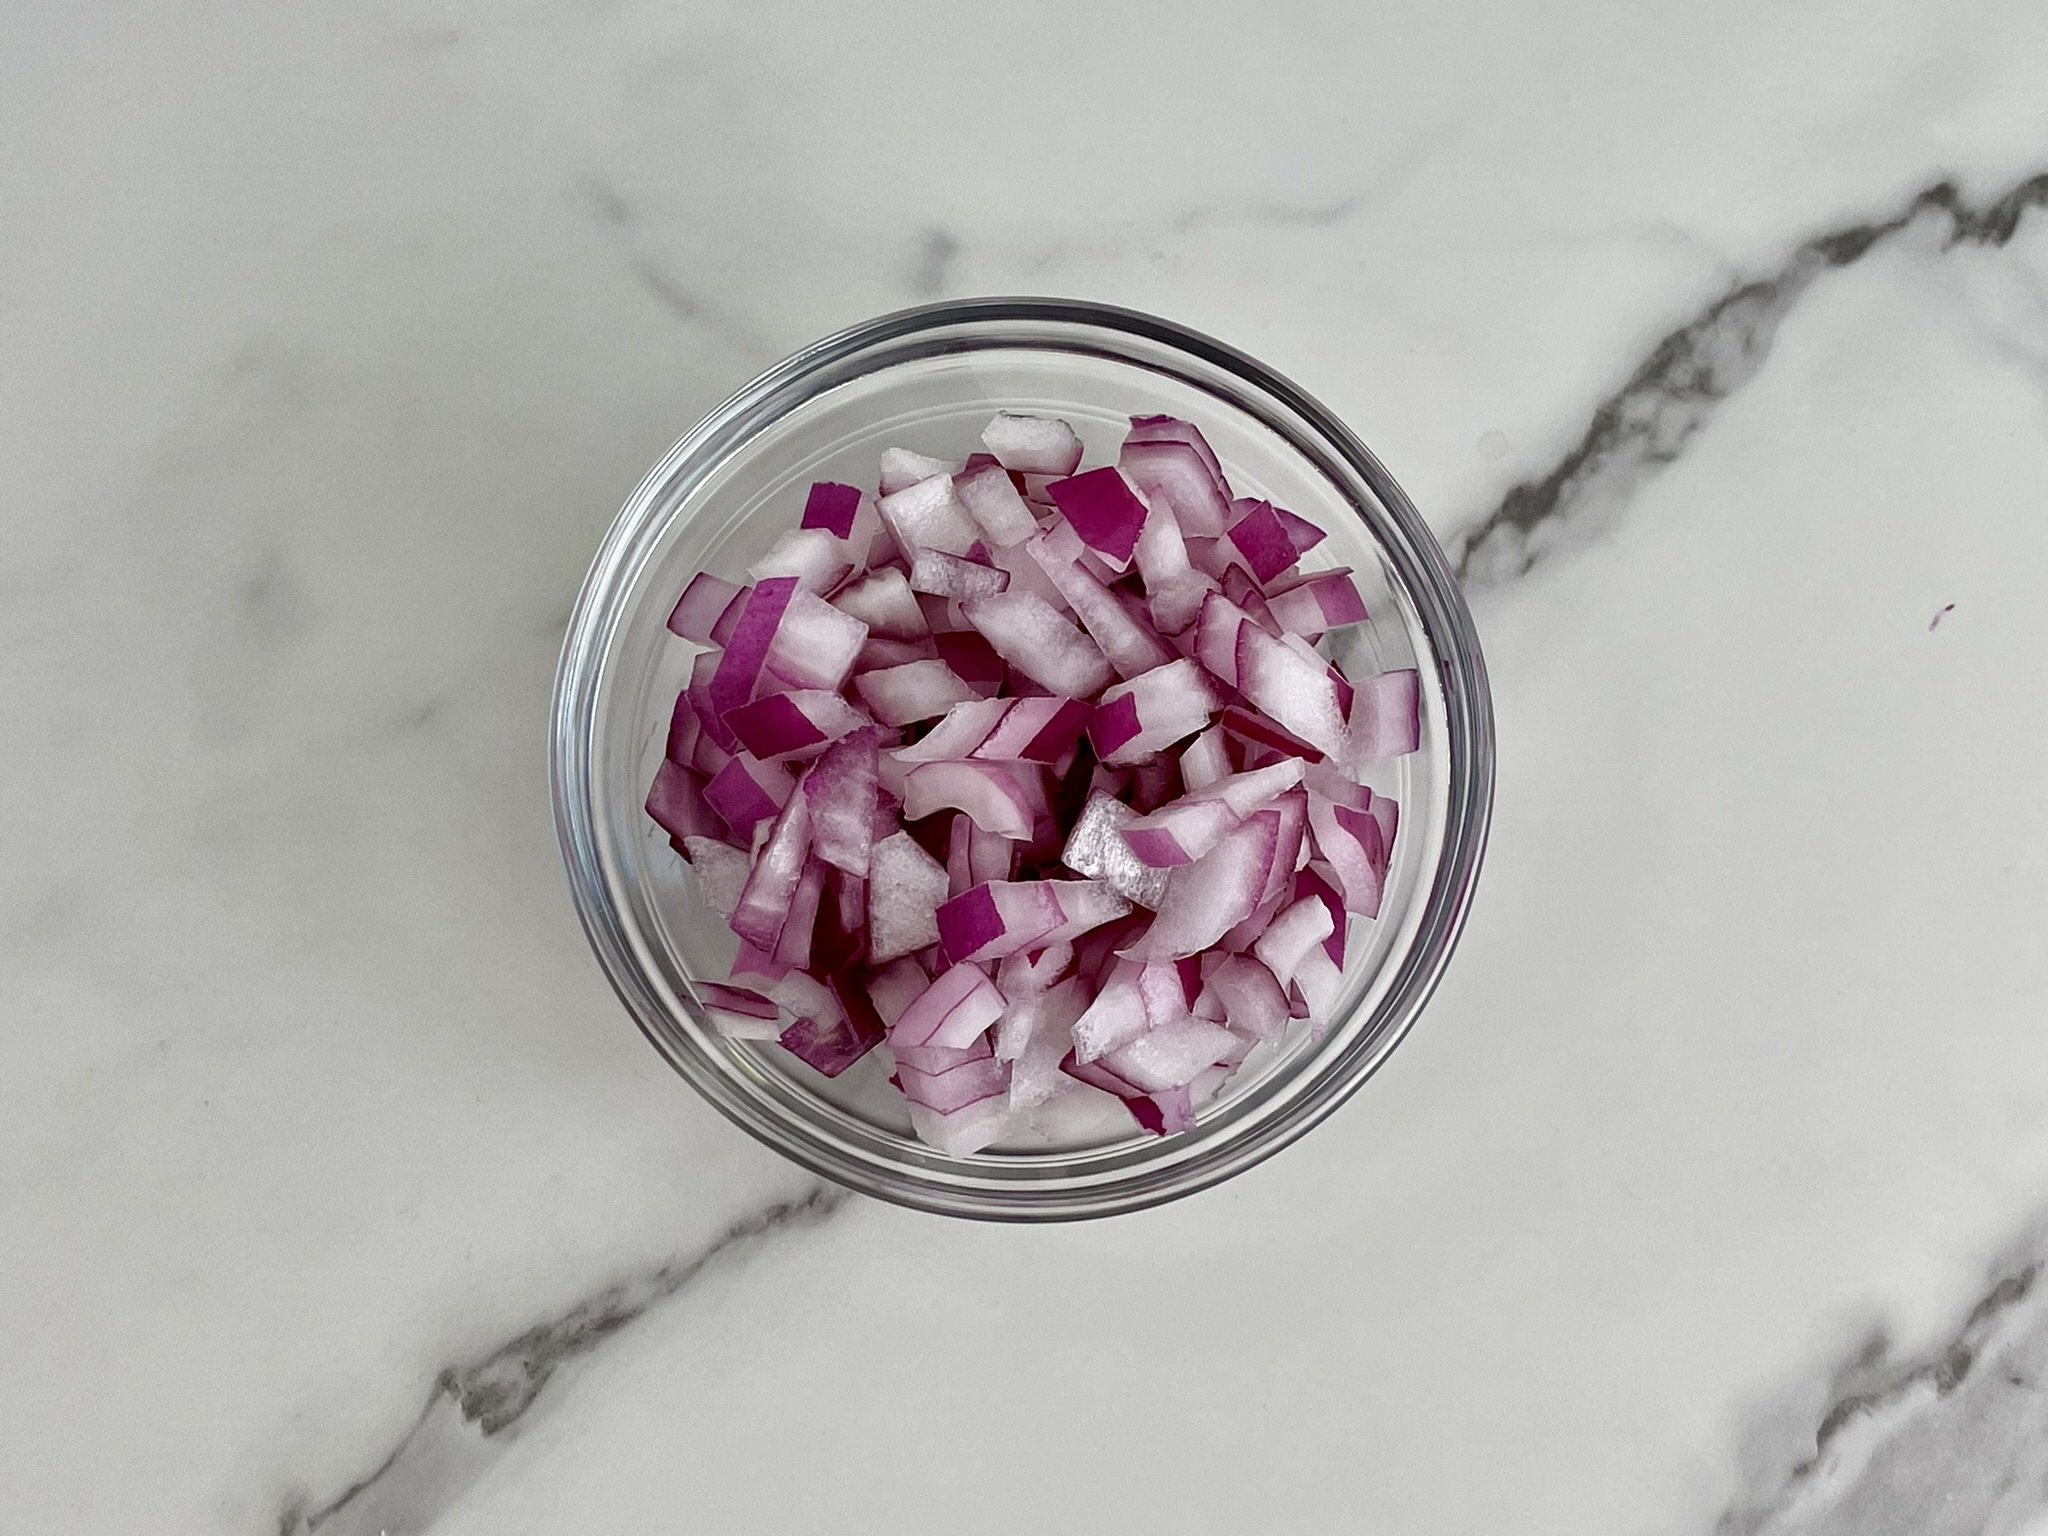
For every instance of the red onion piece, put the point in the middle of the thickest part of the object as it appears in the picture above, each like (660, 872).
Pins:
(721, 872)
(1035, 731)
(1351, 842)
(1032, 637)
(929, 516)
(702, 605)
(917, 690)
(1268, 538)
(1317, 603)
(883, 601)
(1181, 476)
(746, 653)
(1253, 1001)
(905, 887)
(1096, 848)
(1114, 1018)
(1291, 690)
(739, 1014)
(677, 802)
(973, 660)
(746, 792)
(1137, 719)
(998, 918)
(1037, 445)
(1171, 1055)
(801, 723)
(901, 468)
(1126, 643)
(832, 508)
(1206, 899)
(1040, 1031)
(965, 727)
(992, 500)
(1000, 798)
(771, 887)
(815, 645)
(1386, 718)
(956, 1087)
(820, 561)
(1105, 510)
(1298, 929)
(952, 1011)
(955, 576)
(800, 919)
(829, 1046)
(841, 788)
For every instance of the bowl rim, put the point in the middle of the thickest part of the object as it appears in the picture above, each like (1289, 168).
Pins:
(1429, 582)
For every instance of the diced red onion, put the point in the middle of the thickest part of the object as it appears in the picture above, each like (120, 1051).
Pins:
(797, 724)
(1035, 731)
(1386, 717)
(746, 653)
(955, 576)
(771, 887)
(816, 558)
(1171, 1055)
(1318, 602)
(917, 690)
(1270, 538)
(1206, 899)
(999, 797)
(739, 1014)
(1105, 510)
(1039, 445)
(721, 872)
(832, 507)
(829, 1046)
(901, 468)
(956, 1087)
(841, 789)
(929, 516)
(883, 601)
(992, 500)
(965, 727)
(1126, 643)
(746, 792)
(973, 660)
(1252, 1000)
(800, 918)
(905, 887)
(815, 645)
(702, 605)
(1032, 637)
(1299, 928)
(678, 803)
(1139, 718)
(1114, 1018)
(1096, 848)
(1179, 470)
(952, 1011)
(998, 918)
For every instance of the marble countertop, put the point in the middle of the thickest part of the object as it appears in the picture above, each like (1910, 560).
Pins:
(340, 1197)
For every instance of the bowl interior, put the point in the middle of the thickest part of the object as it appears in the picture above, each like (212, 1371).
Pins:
(737, 484)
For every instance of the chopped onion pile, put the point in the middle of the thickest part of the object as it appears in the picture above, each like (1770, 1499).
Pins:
(1034, 776)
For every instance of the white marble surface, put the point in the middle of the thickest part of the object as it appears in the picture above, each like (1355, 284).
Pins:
(340, 1196)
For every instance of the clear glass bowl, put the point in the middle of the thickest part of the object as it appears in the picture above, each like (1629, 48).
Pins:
(930, 378)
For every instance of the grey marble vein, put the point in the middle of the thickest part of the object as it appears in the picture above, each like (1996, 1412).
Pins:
(624, 221)
(1949, 1441)
(461, 1427)
(1675, 390)
(932, 268)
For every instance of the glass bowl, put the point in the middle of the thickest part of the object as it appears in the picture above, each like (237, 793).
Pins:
(930, 378)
